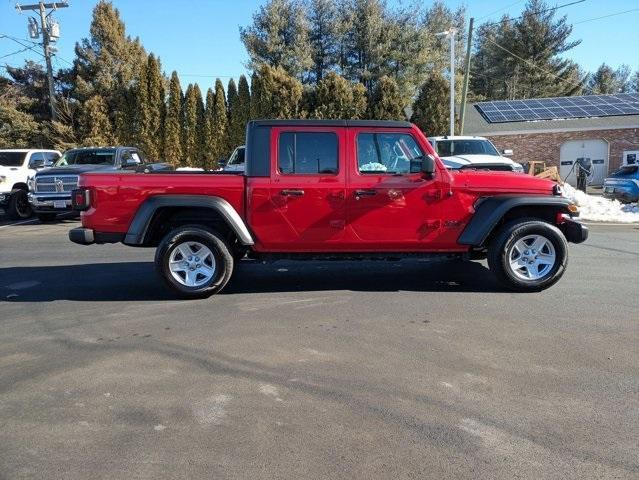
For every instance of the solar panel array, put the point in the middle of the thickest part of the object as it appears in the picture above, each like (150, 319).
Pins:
(503, 111)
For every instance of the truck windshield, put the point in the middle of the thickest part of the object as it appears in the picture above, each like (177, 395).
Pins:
(11, 159)
(96, 156)
(450, 148)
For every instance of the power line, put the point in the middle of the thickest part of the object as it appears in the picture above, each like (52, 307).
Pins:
(606, 16)
(538, 12)
(500, 10)
(14, 53)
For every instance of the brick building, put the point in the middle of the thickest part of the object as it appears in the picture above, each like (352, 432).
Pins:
(560, 142)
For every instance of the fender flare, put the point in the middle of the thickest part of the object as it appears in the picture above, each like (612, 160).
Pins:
(490, 210)
(139, 226)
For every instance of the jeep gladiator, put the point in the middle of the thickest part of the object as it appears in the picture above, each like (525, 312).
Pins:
(338, 189)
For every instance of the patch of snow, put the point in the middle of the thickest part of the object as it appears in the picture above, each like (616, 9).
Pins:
(189, 169)
(599, 209)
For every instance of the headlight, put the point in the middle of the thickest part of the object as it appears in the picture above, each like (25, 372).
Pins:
(2, 178)
(30, 184)
(518, 168)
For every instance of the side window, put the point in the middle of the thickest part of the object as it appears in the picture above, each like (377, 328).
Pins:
(392, 153)
(52, 157)
(308, 153)
(37, 157)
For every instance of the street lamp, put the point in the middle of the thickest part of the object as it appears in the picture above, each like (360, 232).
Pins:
(450, 33)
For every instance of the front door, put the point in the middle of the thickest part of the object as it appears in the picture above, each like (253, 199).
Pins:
(307, 190)
(391, 205)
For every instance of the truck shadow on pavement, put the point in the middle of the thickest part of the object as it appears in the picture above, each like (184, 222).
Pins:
(137, 281)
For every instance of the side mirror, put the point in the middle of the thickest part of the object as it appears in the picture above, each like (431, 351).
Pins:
(37, 164)
(428, 165)
(507, 153)
(130, 163)
(222, 162)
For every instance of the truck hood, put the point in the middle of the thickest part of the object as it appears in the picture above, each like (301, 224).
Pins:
(76, 169)
(458, 161)
(486, 181)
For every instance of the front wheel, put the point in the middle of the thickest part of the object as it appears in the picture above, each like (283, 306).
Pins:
(194, 261)
(19, 208)
(528, 255)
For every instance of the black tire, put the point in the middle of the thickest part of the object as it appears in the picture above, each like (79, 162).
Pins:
(216, 244)
(500, 249)
(46, 217)
(19, 208)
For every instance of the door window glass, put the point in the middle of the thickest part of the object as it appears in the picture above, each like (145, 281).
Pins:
(392, 153)
(308, 153)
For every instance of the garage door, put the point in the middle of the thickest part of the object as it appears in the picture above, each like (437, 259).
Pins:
(595, 151)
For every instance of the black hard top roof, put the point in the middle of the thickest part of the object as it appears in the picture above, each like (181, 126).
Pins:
(333, 123)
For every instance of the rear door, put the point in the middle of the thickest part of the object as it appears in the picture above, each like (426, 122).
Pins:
(307, 190)
(391, 205)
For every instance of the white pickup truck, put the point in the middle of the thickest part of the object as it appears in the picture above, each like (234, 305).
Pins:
(16, 166)
(461, 152)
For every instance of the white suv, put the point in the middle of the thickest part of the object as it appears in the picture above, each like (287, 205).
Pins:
(460, 152)
(16, 166)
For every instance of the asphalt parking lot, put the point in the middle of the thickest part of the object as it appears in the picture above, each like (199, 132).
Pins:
(315, 370)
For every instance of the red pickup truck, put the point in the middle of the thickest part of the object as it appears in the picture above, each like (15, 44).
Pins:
(342, 189)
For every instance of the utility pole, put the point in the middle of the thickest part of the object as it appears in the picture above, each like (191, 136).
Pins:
(450, 33)
(48, 36)
(462, 112)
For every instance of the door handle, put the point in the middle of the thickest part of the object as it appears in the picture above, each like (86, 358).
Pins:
(364, 193)
(292, 193)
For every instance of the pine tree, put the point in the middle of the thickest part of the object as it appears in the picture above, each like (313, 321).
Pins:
(606, 80)
(386, 101)
(156, 108)
(276, 94)
(106, 65)
(173, 123)
(241, 113)
(335, 98)
(209, 133)
(95, 123)
(525, 57)
(220, 124)
(193, 127)
(279, 37)
(430, 110)
(323, 37)
(232, 98)
(141, 120)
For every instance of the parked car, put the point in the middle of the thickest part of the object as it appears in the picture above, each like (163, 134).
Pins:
(331, 189)
(236, 160)
(16, 166)
(460, 152)
(623, 184)
(50, 189)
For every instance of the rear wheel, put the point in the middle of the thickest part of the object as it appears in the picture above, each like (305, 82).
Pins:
(528, 255)
(194, 261)
(19, 208)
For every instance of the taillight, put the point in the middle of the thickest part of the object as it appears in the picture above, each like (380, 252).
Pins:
(81, 198)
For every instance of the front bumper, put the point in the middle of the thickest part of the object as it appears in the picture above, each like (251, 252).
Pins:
(575, 232)
(42, 203)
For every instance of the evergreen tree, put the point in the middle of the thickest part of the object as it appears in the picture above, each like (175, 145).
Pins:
(173, 123)
(524, 58)
(279, 37)
(335, 98)
(106, 65)
(241, 114)
(277, 94)
(209, 133)
(156, 109)
(430, 110)
(323, 37)
(606, 80)
(189, 127)
(256, 97)
(386, 101)
(141, 120)
(95, 123)
(634, 82)
(220, 124)
(235, 133)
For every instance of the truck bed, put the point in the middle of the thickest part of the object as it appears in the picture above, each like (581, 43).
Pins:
(117, 196)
